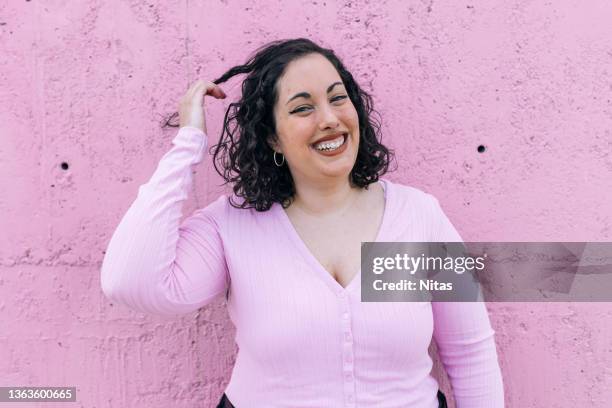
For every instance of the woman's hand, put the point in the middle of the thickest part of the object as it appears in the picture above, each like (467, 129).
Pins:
(191, 107)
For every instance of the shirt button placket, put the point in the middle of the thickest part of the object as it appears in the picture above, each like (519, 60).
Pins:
(347, 351)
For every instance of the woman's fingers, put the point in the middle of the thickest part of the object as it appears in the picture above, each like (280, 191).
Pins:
(216, 91)
(191, 107)
(191, 91)
(197, 95)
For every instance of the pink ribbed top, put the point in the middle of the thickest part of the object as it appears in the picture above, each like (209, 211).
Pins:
(304, 340)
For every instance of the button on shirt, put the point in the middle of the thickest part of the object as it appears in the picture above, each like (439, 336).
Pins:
(304, 340)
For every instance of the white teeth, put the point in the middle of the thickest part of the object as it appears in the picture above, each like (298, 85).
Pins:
(330, 145)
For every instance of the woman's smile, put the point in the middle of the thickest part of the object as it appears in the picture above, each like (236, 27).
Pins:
(332, 147)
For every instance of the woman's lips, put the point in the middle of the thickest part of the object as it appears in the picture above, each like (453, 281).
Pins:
(334, 152)
(329, 138)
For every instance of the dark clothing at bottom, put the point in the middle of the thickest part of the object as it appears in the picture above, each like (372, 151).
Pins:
(225, 402)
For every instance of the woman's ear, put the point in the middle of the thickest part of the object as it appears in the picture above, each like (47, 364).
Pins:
(273, 143)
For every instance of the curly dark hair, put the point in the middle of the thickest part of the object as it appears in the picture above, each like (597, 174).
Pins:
(246, 158)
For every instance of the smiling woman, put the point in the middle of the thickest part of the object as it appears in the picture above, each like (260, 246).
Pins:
(317, 131)
(296, 93)
(305, 159)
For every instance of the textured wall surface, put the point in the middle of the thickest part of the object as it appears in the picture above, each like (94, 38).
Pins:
(84, 85)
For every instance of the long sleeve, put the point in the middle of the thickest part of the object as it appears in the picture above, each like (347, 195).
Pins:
(465, 340)
(152, 263)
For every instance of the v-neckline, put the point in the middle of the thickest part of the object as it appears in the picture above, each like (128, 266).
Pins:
(334, 285)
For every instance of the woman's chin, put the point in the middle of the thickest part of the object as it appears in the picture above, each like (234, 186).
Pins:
(337, 170)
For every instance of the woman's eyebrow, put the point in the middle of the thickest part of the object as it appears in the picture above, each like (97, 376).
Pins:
(307, 95)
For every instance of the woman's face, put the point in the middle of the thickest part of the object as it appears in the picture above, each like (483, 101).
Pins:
(313, 104)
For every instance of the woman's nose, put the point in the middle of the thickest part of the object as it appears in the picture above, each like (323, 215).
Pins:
(329, 118)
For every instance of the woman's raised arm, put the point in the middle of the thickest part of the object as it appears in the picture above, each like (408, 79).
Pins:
(153, 263)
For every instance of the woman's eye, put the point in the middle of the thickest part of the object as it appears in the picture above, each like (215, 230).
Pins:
(334, 99)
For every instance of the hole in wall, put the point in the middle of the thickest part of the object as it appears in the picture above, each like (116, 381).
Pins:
(64, 166)
(481, 149)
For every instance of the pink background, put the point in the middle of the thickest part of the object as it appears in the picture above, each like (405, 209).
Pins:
(88, 83)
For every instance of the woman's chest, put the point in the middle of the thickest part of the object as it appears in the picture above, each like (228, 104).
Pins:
(337, 248)
(335, 243)
(302, 325)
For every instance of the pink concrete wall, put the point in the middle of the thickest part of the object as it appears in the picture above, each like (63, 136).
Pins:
(86, 83)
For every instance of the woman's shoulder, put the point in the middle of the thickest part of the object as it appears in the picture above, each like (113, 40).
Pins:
(218, 208)
(407, 194)
(226, 207)
(420, 210)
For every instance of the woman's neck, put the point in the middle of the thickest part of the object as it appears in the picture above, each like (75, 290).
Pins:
(317, 199)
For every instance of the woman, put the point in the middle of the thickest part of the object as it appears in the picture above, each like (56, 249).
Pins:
(285, 247)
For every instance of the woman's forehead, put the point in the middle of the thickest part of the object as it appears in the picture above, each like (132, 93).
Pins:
(308, 74)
